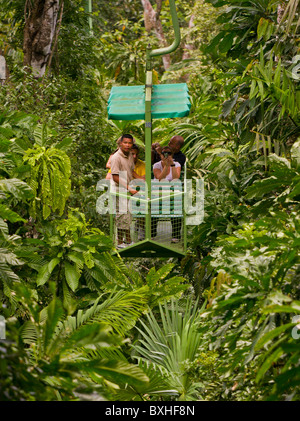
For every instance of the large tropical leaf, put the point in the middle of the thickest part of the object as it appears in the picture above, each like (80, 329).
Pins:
(17, 188)
(156, 387)
(10, 215)
(46, 271)
(114, 371)
(72, 275)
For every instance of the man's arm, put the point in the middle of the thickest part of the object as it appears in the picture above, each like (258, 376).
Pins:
(122, 182)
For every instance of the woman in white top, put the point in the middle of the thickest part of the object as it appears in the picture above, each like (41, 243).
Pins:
(167, 168)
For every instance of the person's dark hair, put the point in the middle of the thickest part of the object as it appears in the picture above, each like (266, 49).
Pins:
(166, 149)
(135, 146)
(126, 136)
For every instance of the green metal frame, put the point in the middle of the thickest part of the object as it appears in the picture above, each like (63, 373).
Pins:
(148, 119)
(170, 48)
(88, 8)
(148, 247)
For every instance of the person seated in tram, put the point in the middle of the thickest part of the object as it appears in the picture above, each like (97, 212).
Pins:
(108, 164)
(140, 167)
(155, 152)
(139, 173)
(176, 143)
(167, 169)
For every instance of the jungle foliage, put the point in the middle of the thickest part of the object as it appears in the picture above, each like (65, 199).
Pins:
(83, 324)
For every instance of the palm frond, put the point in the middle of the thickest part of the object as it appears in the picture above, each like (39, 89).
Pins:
(171, 342)
(115, 371)
(156, 386)
(119, 311)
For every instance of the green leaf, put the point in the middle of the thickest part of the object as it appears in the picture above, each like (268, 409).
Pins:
(226, 43)
(154, 277)
(54, 314)
(272, 334)
(72, 275)
(10, 258)
(292, 308)
(6, 274)
(261, 187)
(120, 310)
(64, 144)
(262, 27)
(90, 335)
(229, 105)
(3, 227)
(114, 371)
(46, 271)
(268, 363)
(7, 132)
(10, 215)
(17, 188)
(69, 302)
(288, 379)
(29, 332)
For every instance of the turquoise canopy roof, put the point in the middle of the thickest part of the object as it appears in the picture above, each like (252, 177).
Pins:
(167, 101)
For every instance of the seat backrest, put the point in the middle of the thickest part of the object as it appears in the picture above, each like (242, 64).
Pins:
(166, 199)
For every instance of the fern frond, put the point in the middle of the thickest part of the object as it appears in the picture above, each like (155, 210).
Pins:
(7, 275)
(105, 353)
(90, 279)
(119, 310)
(29, 332)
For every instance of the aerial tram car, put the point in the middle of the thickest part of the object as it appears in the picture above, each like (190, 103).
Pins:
(158, 204)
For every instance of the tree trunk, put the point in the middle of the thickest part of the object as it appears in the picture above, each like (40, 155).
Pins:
(280, 11)
(39, 31)
(3, 68)
(188, 46)
(152, 21)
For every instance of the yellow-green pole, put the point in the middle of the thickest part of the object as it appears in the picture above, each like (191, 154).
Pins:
(88, 8)
(148, 96)
(176, 27)
(148, 142)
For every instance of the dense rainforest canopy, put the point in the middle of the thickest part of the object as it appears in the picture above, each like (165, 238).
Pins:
(79, 322)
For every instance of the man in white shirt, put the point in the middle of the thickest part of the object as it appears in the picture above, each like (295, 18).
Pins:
(122, 163)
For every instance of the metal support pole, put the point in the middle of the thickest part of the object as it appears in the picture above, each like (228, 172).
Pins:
(148, 96)
(148, 143)
(184, 213)
(88, 8)
(176, 42)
